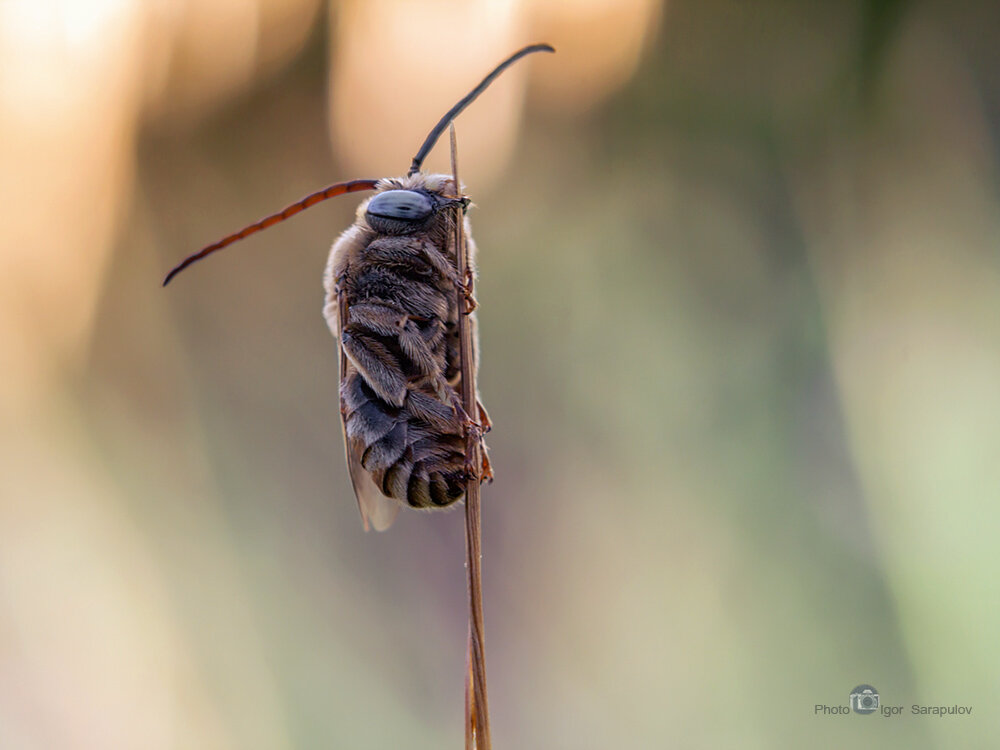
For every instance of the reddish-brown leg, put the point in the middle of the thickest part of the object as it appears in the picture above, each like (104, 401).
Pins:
(484, 418)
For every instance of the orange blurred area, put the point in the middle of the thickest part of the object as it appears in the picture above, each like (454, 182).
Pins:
(738, 299)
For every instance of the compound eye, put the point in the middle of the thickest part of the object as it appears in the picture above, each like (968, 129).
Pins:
(401, 205)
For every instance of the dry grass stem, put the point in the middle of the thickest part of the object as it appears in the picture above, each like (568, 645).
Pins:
(477, 719)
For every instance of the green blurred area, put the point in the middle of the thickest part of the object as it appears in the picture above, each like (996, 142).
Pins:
(741, 351)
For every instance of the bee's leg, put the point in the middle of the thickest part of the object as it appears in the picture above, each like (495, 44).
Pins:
(484, 424)
(416, 349)
(441, 263)
(484, 418)
(486, 472)
(443, 266)
(485, 469)
(377, 365)
(362, 328)
(383, 320)
(470, 301)
(477, 430)
(386, 321)
(464, 420)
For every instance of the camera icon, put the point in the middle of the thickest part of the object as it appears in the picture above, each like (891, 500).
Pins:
(864, 699)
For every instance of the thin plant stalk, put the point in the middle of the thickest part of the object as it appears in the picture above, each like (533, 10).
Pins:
(477, 716)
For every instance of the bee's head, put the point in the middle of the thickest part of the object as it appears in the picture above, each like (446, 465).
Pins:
(405, 205)
(400, 211)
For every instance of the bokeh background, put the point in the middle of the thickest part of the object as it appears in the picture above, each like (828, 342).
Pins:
(740, 314)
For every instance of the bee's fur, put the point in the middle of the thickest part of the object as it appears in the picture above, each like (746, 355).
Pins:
(400, 389)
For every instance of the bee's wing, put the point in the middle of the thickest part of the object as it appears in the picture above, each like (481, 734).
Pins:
(377, 510)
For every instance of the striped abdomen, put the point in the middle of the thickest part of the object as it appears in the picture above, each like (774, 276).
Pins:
(398, 394)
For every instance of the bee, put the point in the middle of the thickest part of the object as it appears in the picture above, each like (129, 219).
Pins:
(393, 300)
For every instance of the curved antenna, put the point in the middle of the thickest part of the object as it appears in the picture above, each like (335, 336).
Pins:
(338, 188)
(469, 98)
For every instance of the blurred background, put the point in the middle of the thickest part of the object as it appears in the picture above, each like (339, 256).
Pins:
(740, 318)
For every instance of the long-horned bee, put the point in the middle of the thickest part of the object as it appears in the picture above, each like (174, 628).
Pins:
(393, 300)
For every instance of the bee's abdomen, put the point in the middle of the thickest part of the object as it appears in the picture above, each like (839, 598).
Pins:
(414, 452)
(398, 391)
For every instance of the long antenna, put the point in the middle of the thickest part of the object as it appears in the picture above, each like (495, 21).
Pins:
(454, 112)
(331, 191)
